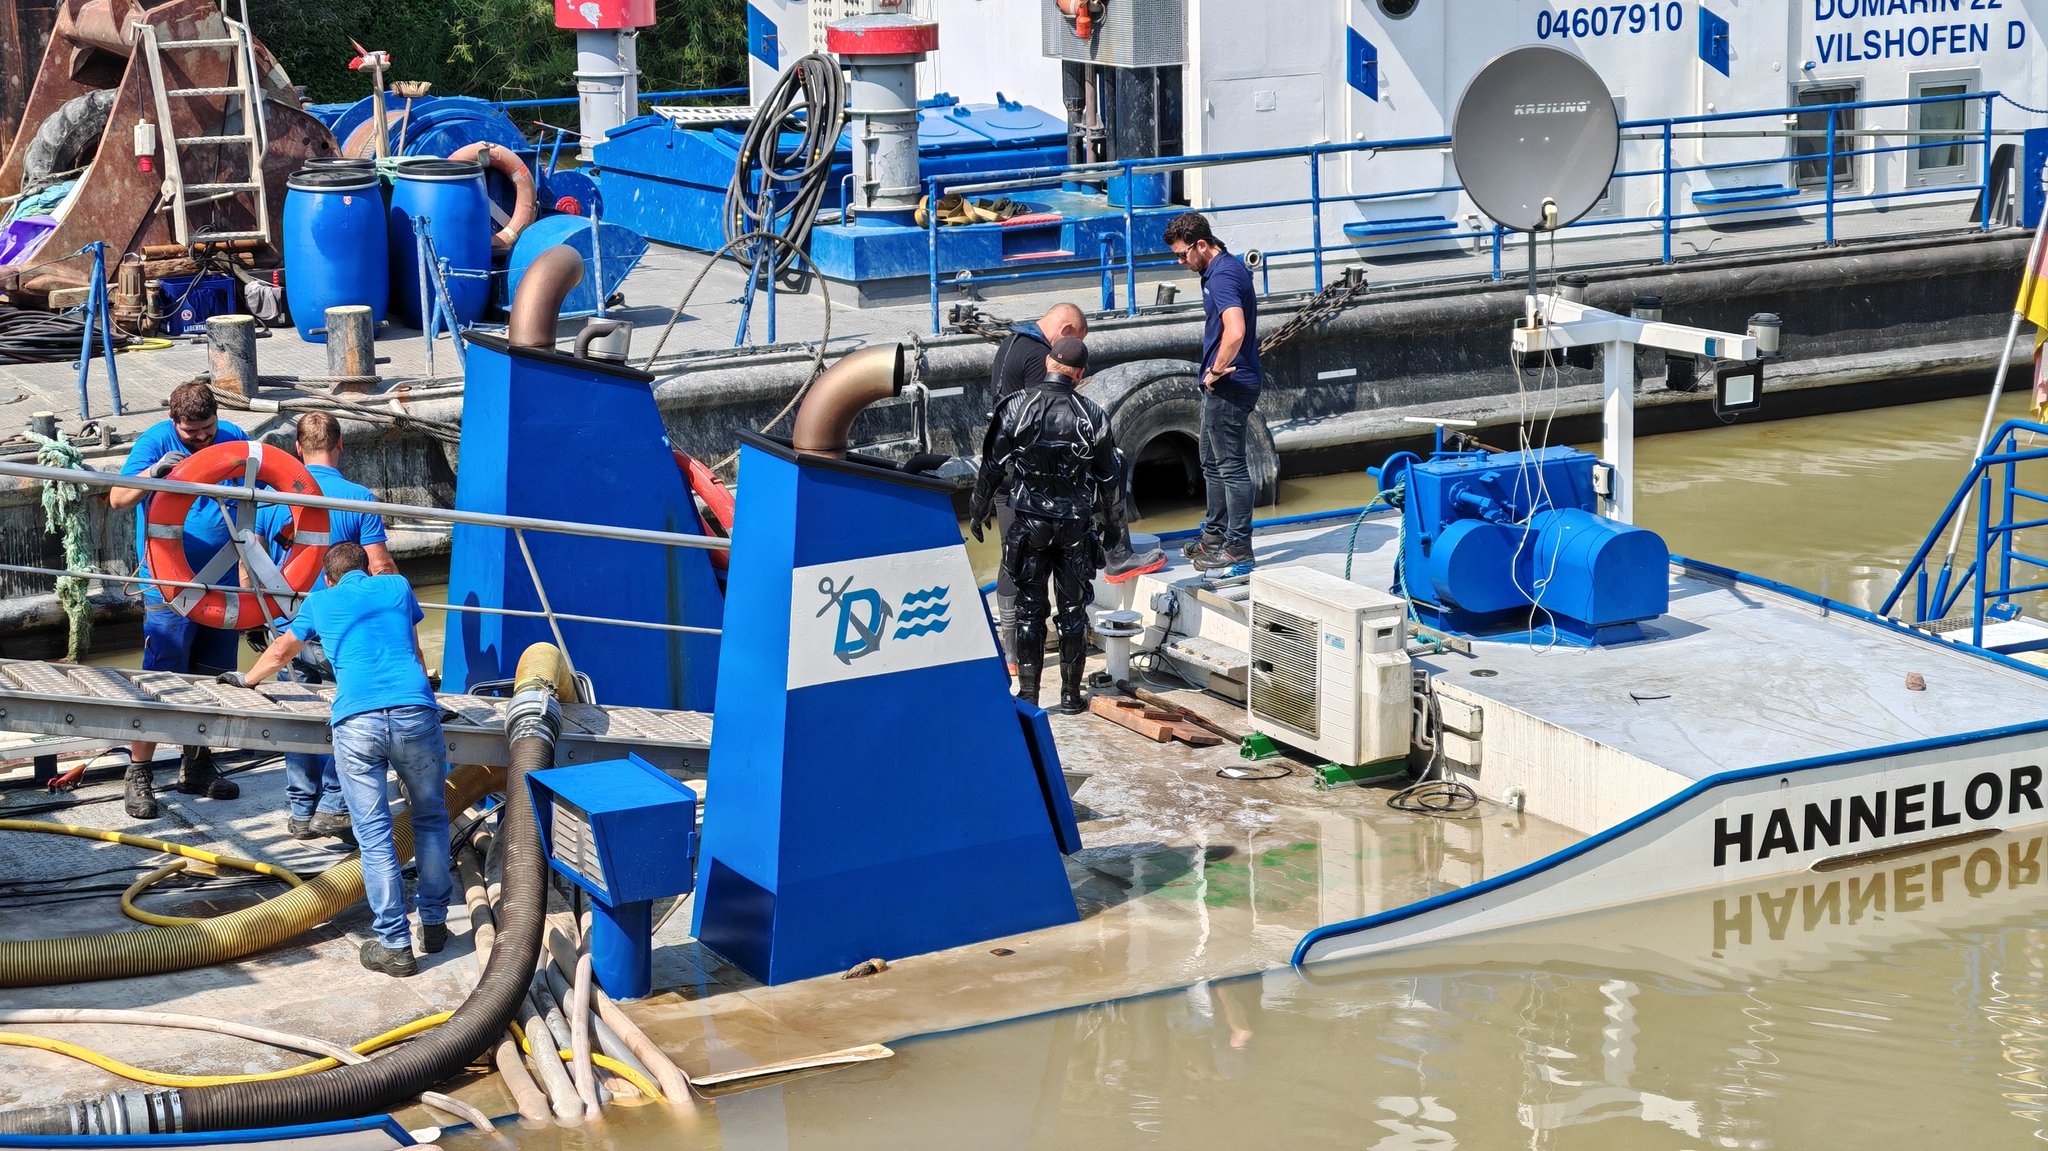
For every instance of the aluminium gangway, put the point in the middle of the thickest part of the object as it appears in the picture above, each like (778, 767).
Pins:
(164, 707)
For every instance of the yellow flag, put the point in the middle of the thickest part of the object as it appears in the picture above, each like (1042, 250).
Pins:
(2033, 304)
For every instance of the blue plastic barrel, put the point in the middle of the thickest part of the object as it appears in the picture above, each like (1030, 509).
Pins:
(334, 246)
(449, 194)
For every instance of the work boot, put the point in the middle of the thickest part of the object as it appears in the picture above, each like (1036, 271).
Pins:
(1120, 562)
(196, 776)
(1028, 665)
(433, 937)
(1231, 560)
(1201, 543)
(330, 823)
(1073, 700)
(385, 961)
(138, 792)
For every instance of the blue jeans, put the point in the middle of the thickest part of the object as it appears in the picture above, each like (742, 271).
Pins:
(406, 740)
(1225, 477)
(311, 783)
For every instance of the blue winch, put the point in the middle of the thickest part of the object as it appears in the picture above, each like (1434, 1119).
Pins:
(1512, 542)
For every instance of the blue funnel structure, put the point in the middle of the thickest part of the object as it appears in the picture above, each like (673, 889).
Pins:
(551, 436)
(1510, 543)
(876, 790)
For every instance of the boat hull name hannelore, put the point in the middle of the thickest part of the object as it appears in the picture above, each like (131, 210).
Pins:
(1868, 818)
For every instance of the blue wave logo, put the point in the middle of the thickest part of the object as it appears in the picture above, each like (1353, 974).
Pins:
(924, 612)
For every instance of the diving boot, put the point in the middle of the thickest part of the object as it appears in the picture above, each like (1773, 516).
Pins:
(1120, 562)
(1028, 666)
(1073, 700)
(196, 775)
(1006, 629)
(138, 792)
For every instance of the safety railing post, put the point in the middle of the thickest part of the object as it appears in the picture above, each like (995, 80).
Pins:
(1984, 191)
(1667, 191)
(1830, 177)
(931, 228)
(1498, 232)
(1130, 243)
(1315, 210)
(1108, 245)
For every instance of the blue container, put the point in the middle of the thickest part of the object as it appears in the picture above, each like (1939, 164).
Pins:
(334, 246)
(622, 249)
(190, 301)
(449, 194)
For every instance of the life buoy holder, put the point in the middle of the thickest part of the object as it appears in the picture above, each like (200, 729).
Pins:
(279, 586)
(504, 162)
(705, 485)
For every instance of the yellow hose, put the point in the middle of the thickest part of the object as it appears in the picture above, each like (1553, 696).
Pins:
(171, 1079)
(610, 1064)
(126, 954)
(164, 845)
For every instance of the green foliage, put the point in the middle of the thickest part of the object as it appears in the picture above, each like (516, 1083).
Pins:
(495, 49)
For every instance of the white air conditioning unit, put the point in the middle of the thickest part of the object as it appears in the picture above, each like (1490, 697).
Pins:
(1329, 666)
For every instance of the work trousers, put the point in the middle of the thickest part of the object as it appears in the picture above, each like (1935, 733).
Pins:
(406, 741)
(1225, 474)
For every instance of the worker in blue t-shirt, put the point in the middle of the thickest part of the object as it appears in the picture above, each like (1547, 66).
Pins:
(312, 789)
(385, 718)
(1230, 390)
(170, 642)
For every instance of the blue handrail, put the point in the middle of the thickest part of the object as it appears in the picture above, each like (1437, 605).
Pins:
(645, 97)
(1992, 483)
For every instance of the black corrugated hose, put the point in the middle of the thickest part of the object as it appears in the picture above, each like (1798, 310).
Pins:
(419, 1065)
(794, 192)
(29, 337)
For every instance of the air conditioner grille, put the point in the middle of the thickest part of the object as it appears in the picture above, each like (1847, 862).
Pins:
(1283, 673)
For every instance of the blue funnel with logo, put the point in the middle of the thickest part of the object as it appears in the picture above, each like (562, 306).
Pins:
(877, 790)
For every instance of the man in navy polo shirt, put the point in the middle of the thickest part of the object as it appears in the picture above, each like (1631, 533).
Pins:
(170, 642)
(385, 718)
(1230, 390)
(312, 787)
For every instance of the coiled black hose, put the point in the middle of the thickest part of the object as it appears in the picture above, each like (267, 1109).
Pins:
(366, 1088)
(29, 337)
(794, 182)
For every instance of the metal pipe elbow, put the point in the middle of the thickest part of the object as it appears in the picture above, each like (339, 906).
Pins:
(859, 378)
(537, 306)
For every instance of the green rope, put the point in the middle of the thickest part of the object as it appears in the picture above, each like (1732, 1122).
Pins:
(64, 514)
(1390, 498)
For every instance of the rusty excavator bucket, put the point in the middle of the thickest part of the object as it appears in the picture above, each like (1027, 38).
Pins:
(97, 69)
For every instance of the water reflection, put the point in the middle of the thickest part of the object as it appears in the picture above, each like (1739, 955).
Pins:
(1884, 1006)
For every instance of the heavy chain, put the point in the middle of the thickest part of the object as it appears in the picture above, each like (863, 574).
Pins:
(965, 317)
(1331, 300)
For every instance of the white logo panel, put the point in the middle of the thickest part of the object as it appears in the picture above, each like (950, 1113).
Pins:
(885, 614)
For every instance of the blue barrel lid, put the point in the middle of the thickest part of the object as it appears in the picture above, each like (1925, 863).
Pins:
(333, 178)
(1008, 123)
(436, 169)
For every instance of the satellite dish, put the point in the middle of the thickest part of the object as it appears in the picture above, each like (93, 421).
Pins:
(1535, 124)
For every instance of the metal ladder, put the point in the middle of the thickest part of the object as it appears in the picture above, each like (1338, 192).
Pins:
(252, 136)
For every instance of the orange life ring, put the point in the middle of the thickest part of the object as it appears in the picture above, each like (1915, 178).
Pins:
(704, 484)
(504, 162)
(164, 523)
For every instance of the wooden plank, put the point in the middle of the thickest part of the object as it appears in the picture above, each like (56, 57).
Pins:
(1130, 714)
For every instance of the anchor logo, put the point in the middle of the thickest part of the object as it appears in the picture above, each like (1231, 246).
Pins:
(863, 618)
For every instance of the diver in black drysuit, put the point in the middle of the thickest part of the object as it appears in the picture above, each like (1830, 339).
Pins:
(1050, 450)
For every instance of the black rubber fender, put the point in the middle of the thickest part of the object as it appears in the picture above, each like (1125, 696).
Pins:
(67, 140)
(1147, 399)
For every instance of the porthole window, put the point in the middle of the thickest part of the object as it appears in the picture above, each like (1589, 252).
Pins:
(1397, 9)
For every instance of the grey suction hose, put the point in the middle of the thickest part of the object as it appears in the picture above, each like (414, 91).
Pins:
(531, 724)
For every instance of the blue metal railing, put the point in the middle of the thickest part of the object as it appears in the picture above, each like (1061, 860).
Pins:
(1993, 484)
(1673, 179)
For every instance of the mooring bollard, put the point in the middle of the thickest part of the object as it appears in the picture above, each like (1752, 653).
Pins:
(351, 348)
(231, 352)
(43, 424)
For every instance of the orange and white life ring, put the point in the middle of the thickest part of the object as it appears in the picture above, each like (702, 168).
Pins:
(506, 163)
(705, 485)
(164, 524)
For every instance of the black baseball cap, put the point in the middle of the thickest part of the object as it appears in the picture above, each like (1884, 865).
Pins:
(1071, 352)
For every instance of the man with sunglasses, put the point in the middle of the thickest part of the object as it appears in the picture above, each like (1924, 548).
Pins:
(1230, 390)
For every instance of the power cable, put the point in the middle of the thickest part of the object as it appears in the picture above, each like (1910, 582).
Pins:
(777, 191)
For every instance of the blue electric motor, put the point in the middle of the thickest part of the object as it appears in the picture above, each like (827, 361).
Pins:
(1496, 542)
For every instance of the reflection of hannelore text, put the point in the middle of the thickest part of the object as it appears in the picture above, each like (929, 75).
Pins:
(1878, 815)
(1902, 890)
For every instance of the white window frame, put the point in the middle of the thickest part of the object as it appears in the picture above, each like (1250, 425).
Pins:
(1852, 179)
(1972, 130)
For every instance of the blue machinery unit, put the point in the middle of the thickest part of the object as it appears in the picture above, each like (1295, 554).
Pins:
(667, 182)
(1510, 541)
(550, 436)
(878, 789)
(625, 833)
(881, 793)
